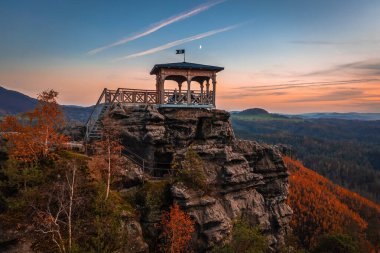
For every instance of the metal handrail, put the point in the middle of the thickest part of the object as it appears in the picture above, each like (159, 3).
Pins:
(144, 164)
(100, 99)
(88, 130)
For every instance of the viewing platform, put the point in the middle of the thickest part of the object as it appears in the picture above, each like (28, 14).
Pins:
(195, 87)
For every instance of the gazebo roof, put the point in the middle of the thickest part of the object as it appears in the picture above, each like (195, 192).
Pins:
(184, 65)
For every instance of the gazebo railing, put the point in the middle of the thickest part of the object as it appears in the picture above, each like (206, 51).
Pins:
(173, 97)
(135, 96)
(123, 96)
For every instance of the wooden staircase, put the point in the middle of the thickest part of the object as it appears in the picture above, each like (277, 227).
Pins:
(109, 98)
(94, 122)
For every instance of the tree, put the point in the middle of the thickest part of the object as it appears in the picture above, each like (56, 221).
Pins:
(337, 243)
(108, 159)
(22, 141)
(320, 207)
(49, 118)
(62, 205)
(177, 228)
(37, 132)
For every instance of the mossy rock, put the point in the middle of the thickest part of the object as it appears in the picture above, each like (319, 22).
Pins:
(154, 195)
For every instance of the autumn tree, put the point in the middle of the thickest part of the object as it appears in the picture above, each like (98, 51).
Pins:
(177, 229)
(30, 137)
(49, 118)
(321, 207)
(108, 159)
(37, 132)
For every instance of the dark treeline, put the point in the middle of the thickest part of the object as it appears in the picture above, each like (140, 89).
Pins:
(345, 151)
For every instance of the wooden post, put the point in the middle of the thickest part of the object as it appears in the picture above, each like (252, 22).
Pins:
(201, 83)
(188, 92)
(179, 93)
(208, 91)
(158, 88)
(162, 89)
(213, 89)
(179, 89)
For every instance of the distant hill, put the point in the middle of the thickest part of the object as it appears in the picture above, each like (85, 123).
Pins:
(258, 114)
(14, 102)
(322, 207)
(254, 111)
(335, 115)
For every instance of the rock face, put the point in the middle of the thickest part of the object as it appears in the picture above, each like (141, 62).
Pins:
(245, 179)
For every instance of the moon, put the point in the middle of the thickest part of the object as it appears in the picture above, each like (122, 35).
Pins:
(200, 47)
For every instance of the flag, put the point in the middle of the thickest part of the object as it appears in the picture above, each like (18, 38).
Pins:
(180, 51)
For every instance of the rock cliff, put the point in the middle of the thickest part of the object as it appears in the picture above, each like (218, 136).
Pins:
(244, 178)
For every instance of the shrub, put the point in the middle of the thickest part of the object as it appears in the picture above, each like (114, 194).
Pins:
(244, 239)
(153, 195)
(337, 243)
(191, 171)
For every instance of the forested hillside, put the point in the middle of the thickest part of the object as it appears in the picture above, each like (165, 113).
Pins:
(322, 208)
(345, 151)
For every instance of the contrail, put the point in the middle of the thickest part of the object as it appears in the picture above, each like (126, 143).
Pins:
(159, 25)
(177, 42)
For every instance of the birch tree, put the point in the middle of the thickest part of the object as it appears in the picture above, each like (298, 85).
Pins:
(108, 159)
(64, 201)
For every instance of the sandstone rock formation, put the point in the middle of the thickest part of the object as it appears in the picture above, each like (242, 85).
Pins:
(245, 179)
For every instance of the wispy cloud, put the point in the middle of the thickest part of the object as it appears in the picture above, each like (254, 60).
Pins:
(366, 68)
(326, 42)
(239, 95)
(338, 95)
(316, 42)
(286, 86)
(178, 42)
(159, 25)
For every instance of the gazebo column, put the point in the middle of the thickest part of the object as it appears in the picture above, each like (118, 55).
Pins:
(162, 89)
(208, 90)
(213, 89)
(179, 88)
(188, 91)
(158, 89)
(201, 84)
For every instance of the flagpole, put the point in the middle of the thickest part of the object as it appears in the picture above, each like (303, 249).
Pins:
(182, 51)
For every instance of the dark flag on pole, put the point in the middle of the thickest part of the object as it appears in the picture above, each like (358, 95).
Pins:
(182, 51)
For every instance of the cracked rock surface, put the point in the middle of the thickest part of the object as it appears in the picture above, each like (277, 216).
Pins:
(245, 179)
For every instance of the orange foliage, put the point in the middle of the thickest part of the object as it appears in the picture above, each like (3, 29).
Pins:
(321, 207)
(177, 229)
(28, 141)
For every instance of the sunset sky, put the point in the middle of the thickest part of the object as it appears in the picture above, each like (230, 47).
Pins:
(287, 56)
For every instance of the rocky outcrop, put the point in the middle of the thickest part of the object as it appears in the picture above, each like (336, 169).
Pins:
(245, 179)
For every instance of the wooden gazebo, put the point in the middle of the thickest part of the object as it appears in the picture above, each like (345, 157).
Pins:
(182, 73)
(186, 72)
